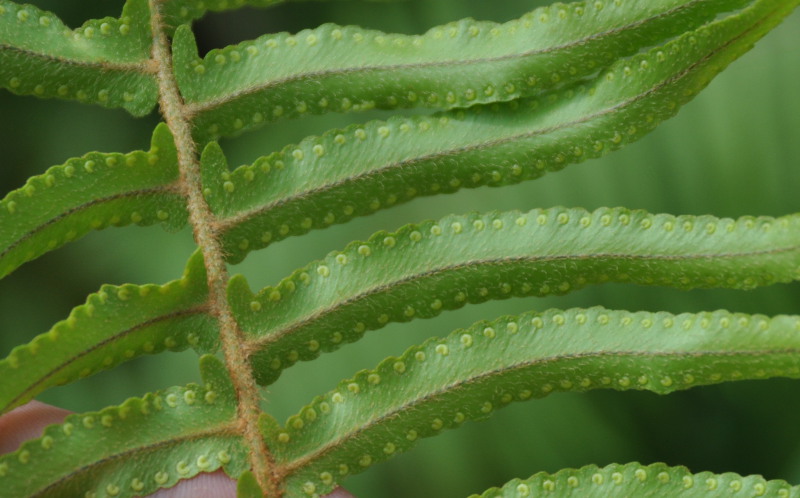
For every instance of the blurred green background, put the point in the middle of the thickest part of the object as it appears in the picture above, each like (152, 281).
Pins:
(735, 150)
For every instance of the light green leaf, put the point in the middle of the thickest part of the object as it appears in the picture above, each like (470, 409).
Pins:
(177, 12)
(248, 487)
(115, 325)
(105, 61)
(136, 448)
(91, 193)
(635, 479)
(331, 179)
(473, 372)
(446, 264)
(339, 69)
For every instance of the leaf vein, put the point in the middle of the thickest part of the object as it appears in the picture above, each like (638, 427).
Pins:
(108, 340)
(83, 207)
(301, 462)
(198, 107)
(275, 335)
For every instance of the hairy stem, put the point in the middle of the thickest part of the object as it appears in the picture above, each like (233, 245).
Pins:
(202, 220)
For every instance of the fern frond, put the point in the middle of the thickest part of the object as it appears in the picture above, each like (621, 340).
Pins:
(91, 193)
(494, 104)
(136, 448)
(635, 479)
(445, 264)
(331, 179)
(117, 324)
(341, 69)
(103, 62)
(471, 373)
(177, 12)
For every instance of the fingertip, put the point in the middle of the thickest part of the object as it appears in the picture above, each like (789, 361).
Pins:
(206, 485)
(27, 422)
(340, 493)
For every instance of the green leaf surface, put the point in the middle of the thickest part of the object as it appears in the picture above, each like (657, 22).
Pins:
(136, 448)
(445, 264)
(105, 61)
(334, 68)
(354, 172)
(635, 479)
(561, 84)
(247, 486)
(471, 373)
(91, 193)
(115, 325)
(177, 12)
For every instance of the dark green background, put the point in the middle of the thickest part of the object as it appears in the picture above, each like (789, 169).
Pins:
(735, 150)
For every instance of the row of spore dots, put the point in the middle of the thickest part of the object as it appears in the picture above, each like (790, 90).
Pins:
(347, 104)
(374, 204)
(342, 259)
(78, 167)
(315, 37)
(347, 212)
(509, 88)
(366, 459)
(88, 310)
(309, 415)
(135, 217)
(203, 463)
(453, 30)
(559, 159)
(102, 95)
(104, 29)
(648, 320)
(312, 39)
(148, 347)
(320, 148)
(46, 19)
(466, 341)
(365, 250)
(523, 489)
(606, 217)
(232, 123)
(400, 367)
(276, 163)
(187, 397)
(416, 235)
(603, 477)
(515, 172)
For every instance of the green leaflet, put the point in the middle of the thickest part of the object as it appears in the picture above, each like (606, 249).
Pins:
(248, 487)
(178, 12)
(561, 84)
(635, 479)
(331, 179)
(90, 193)
(136, 448)
(334, 68)
(115, 325)
(446, 264)
(471, 373)
(104, 62)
